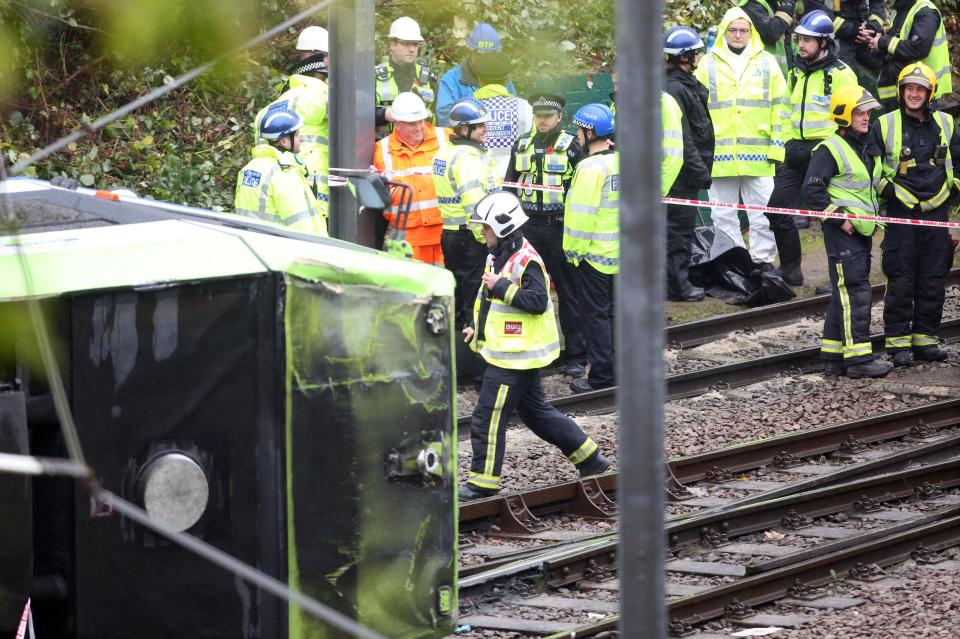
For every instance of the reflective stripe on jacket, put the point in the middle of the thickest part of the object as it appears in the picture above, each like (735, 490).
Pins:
(462, 175)
(810, 103)
(891, 129)
(400, 163)
(272, 188)
(591, 225)
(853, 188)
(551, 168)
(938, 59)
(672, 121)
(513, 338)
(747, 103)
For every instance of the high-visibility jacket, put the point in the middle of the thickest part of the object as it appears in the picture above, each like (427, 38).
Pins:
(387, 89)
(510, 119)
(591, 220)
(553, 168)
(514, 338)
(853, 188)
(272, 187)
(672, 121)
(747, 103)
(810, 101)
(777, 50)
(307, 97)
(891, 129)
(938, 59)
(414, 166)
(463, 174)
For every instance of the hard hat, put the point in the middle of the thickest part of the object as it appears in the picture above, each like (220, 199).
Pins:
(484, 39)
(409, 107)
(468, 111)
(681, 40)
(595, 117)
(846, 100)
(501, 211)
(405, 29)
(918, 73)
(278, 123)
(314, 38)
(816, 24)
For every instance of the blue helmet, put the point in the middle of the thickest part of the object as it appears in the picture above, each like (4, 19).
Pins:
(681, 40)
(595, 117)
(278, 123)
(468, 111)
(816, 24)
(484, 39)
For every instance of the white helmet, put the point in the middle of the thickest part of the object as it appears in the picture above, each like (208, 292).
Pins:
(501, 211)
(409, 107)
(405, 29)
(314, 39)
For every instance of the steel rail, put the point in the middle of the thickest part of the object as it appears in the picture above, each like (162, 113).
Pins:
(690, 334)
(683, 470)
(695, 383)
(780, 583)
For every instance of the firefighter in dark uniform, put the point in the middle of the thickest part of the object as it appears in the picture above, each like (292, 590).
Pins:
(920, 181)
(682, 48)
(916, 35)
(515, 331)
(547, 156)
(856, 23)
(844, 171)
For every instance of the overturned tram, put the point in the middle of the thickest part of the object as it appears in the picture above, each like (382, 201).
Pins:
(289, 400)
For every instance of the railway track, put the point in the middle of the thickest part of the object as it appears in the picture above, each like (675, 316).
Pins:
(882, 498)
(801, 361)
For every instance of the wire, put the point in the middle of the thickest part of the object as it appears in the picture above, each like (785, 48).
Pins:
(99, 123)
(76, 466)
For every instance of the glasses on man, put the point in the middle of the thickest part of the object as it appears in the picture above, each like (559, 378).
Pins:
(739, 31)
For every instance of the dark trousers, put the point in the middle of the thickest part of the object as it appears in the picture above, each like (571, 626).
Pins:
(465, 257)
(595, 294)
(545, 233)
(681, 221)
(915, 261)
(786, 194)
(502, 392)
(846, 329)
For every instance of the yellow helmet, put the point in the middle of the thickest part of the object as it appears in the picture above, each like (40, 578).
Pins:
(847, 98)
(917, 73)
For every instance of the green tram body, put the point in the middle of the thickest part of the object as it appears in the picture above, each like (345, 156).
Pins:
(289, 400)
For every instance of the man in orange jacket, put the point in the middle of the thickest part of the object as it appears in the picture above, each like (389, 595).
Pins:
(406, 155)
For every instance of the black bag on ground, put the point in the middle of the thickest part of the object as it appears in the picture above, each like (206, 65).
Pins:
(725, 271)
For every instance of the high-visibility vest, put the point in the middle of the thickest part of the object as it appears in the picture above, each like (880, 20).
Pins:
(552, 169)
(591, 219)
(672, 121)
(891, 129)
(810, 101)
(853, 188)
(514, 338)
(777, 50)
(387, 89)
(938, 59)
(414, 166)
(307, 97)
(272, 187)
(747, 111)
(462, 175)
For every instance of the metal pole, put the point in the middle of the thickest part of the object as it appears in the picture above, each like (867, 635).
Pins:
(640, 296)
(351, 110)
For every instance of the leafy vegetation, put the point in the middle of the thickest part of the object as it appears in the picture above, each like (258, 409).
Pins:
(64, 62)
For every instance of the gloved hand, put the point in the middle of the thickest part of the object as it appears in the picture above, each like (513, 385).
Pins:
(787, 6)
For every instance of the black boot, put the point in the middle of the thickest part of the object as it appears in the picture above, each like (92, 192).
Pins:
(788, 246)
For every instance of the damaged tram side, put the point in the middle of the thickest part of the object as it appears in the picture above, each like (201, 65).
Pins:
(289, 400)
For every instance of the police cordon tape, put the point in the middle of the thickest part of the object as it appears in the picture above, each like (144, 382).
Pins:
(837, 215)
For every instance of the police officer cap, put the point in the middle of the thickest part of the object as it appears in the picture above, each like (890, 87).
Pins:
(547, 103)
